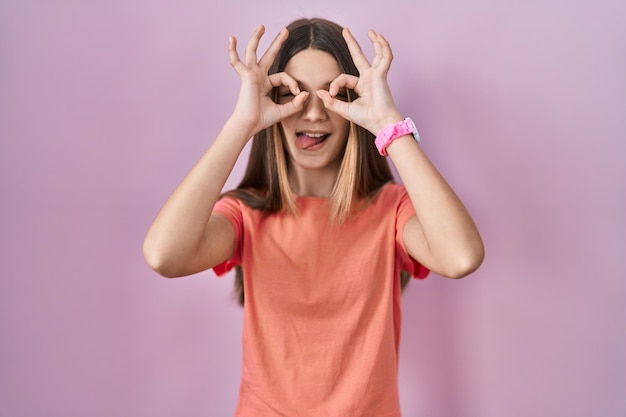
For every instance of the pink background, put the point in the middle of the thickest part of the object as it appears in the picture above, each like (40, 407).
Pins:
(104, 106)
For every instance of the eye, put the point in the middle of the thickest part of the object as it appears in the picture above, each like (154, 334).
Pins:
(284, 96)
(342, 95)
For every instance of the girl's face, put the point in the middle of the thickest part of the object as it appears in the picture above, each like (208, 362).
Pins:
(315, 138)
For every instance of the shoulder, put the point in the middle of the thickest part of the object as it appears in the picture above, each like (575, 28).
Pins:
(393, 188)
(393, 199)
(230, 207)
(388, 200)
(390, 193)
(228, 202)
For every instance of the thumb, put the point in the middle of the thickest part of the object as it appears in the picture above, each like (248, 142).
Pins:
(337, 106)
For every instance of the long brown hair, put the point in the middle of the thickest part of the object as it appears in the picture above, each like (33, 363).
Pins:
(363, 172)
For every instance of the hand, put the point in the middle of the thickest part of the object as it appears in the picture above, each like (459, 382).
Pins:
(374, 108)
(254, 108)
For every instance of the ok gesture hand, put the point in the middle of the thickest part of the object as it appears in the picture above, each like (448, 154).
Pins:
(254, 108)
(375, 108)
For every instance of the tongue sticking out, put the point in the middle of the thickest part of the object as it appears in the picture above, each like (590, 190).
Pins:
(304, 141)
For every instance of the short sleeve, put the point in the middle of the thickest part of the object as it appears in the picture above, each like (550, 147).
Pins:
(404, 212)
(230, 208)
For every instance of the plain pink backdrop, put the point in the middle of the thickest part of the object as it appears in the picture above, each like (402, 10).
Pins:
(105, 105)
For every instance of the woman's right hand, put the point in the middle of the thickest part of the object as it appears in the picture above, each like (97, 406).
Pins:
(254, 108)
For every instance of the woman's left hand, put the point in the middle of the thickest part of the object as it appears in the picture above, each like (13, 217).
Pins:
(374, 108)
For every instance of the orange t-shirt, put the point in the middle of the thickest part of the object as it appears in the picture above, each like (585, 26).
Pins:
(322, 312)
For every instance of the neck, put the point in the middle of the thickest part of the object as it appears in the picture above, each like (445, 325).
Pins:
(313, 182)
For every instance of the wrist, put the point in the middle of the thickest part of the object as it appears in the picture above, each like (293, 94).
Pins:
(393, 131)
(240, 128)
(386, 121)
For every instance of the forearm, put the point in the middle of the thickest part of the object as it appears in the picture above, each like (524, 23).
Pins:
(451, 238)
(178, 231)
(444, 235)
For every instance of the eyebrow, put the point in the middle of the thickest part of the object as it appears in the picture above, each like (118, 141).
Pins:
(302, 85)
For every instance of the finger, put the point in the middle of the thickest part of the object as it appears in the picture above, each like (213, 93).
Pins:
(333, 104)
(233, 56)
(282, 78)
(377, 47)
(385, 51)
(253, 44)
(343, 81)
(270, 55)
(358, 57)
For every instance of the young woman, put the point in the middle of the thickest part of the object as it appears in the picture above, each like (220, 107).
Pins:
(317, 229)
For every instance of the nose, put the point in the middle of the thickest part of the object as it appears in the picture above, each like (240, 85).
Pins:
(314, 109)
